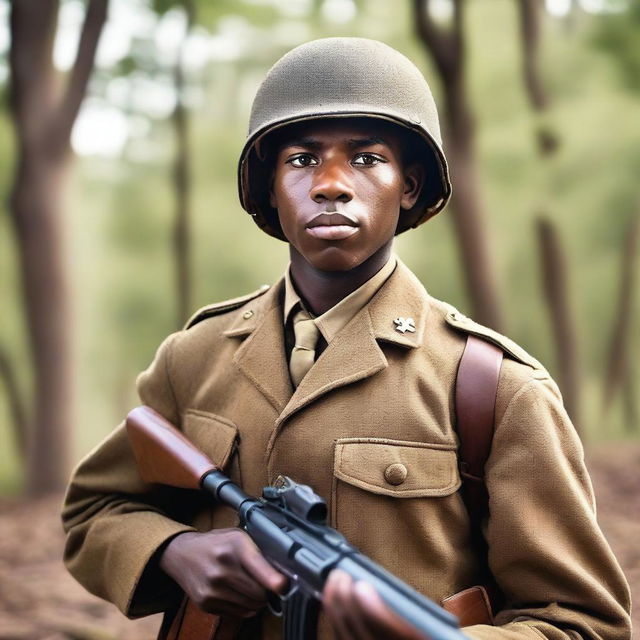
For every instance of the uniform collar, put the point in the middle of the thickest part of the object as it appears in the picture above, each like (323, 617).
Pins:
(335, 319)
(354, 354)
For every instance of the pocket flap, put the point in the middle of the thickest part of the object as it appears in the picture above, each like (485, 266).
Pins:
(213, 435)
(397, 468)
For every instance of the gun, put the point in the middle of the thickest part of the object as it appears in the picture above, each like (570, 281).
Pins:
(288, 524)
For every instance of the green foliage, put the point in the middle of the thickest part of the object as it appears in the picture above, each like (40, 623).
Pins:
(617, 34)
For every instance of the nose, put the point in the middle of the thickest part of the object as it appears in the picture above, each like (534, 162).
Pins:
(331, 184)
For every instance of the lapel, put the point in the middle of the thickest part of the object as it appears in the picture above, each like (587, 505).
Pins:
(261, 357)
(355, 353)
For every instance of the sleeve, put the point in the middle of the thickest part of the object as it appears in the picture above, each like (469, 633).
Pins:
(115, 522)
(555, 568)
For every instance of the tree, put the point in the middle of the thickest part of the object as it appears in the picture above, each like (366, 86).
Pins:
(447, 47)
(555, 267)
(182, 179)
(43, 112)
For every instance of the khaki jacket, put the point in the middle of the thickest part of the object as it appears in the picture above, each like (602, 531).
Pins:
(375, 397)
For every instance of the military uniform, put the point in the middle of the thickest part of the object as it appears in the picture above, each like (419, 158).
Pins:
(375, 398)
(371, 426)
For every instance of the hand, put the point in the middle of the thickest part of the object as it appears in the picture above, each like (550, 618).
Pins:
(222, 571)
(356, 611)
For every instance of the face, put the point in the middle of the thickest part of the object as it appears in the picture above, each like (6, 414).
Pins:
(339, 186)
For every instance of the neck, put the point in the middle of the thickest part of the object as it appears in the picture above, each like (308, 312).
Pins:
(322, 290)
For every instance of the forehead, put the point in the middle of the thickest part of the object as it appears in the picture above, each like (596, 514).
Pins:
(338, 129)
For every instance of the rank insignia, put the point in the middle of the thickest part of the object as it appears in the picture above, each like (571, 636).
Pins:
(405, 324)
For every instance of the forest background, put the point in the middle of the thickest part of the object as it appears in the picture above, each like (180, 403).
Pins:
(157, 137)
(120, 128)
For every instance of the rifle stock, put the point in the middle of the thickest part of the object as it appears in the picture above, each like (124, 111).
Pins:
(162, 453)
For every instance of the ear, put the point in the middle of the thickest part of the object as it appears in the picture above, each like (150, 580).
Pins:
(414, 178)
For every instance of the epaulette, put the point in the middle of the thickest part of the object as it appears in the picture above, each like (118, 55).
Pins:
(217, 308)
(459, 321)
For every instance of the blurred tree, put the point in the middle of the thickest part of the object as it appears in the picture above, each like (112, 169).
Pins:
(619, 366)
(555, 266)
(43, 113)
(447, 47)
(182, 178)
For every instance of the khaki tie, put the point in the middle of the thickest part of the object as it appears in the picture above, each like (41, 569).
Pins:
(304, 352)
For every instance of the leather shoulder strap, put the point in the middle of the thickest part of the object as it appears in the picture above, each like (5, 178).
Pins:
(475, 400)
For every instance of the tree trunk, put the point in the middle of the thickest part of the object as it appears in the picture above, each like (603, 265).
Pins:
(39, 230)
(554, 266)
(556, 289)
(447, 50)
(43, 114)
(182, 183)
(619, 362)
(17, 405)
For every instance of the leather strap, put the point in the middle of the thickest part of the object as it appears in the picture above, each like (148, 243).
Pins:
(475, 401)
(191, 623)
(476, 387)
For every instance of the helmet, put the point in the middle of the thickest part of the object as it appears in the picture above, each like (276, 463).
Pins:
(344, 77)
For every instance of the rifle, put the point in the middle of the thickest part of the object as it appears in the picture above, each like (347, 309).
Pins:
(288, 524)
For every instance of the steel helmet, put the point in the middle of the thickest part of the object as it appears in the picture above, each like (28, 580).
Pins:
(344, 77)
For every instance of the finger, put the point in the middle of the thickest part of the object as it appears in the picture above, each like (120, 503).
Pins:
(246, 584)
(334, 606)
(239, 598)
(344, 613)
(260, 570)
(381, 621)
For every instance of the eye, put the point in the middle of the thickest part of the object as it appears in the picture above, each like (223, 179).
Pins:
(367, 159)
(301, 160)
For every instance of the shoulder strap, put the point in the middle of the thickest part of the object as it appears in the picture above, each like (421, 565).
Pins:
(475, 399)
(222, 307)
(475, 402)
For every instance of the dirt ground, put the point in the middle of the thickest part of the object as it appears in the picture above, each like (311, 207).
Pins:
(40, 601)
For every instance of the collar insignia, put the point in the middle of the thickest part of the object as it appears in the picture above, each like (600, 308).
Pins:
(405, 324)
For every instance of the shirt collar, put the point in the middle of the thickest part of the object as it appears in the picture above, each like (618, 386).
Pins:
(331, 322)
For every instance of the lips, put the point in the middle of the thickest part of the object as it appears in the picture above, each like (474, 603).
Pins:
(332, 226)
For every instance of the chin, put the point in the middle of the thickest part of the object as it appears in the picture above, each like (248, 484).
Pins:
(333, 259)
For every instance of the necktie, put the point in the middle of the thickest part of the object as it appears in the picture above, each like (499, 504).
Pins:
(304, 351)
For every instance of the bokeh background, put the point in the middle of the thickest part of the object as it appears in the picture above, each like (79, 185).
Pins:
(120, 128)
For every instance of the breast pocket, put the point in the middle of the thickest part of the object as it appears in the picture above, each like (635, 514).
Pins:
(397, 501)
(217, 438)
(214, 435)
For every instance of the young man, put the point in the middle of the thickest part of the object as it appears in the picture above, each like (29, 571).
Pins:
(342, 376)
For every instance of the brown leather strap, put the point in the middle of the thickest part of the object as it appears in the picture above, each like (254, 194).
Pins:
(471, 606)
(191, 623)
(476, 387)
(475, 399)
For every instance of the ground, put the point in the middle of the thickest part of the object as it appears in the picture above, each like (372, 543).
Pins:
(40, 601)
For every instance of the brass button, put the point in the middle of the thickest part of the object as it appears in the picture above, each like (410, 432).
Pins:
(395, 473)
(247, 314)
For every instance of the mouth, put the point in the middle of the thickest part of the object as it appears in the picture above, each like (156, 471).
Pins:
(332, 226)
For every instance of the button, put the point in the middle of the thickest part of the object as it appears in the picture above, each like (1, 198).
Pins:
(247, 314)
(395, 473)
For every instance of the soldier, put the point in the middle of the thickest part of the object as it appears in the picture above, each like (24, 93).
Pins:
(342, 376)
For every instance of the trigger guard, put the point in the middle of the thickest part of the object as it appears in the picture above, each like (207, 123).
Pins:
(274, 603)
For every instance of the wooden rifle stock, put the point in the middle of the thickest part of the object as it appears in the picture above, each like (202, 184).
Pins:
(163, 454)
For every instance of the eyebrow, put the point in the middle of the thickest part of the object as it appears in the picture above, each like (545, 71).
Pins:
(354, 143)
